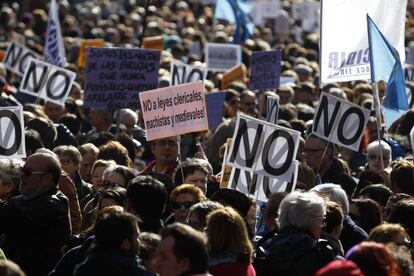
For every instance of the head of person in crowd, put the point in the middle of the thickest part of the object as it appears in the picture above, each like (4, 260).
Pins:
(374, 158)
(304, 93)
(366, 178)
(101, 119)
(373, 259)
(182, 198)
(197, 215)
(182, 251)
(403, 257)
(233, 198)
(365, 213)
(271, 210)
(390, 233)
(69, 157)
(33, 141)
(304, 211)
(403, 213)
(98, 168)
(54, 111)
(378, 192)
(340, 268)
(115, 196)
(304, 72)
(165, 153)
(335, 193)
(231, 103)
(248, 103)
(129, 119)
(113, 150)
(392, 202)
(9, 268)
(148, 243)
(146, 198)
(306, 175)
(89, 152)
(402, 177)
(9, 178)
(227, 236)
(251, 217)
(285, 93)
(40, 174)
(117, 176)
(313, 151)
(191, 172)
(45, 128)
(72, 122)
(333, 225)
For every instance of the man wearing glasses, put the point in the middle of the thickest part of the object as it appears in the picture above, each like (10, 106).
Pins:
(165, 153)
(36, 224)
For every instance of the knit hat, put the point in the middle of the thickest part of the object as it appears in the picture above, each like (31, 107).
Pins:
(340, 268)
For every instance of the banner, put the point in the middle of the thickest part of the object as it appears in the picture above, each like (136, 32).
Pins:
(344, 37)
(174, 110)
(263, 148)
(184, 73)
(54, 48)
(265, 70)
(215, 106)
(237, 73)
(12, 140)
(17, 57)
(340, 121)
(49, 82)
(82, 49)
(115, 76)
(222, 57)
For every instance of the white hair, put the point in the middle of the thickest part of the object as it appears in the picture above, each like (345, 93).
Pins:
(374, 147)
(335, 193)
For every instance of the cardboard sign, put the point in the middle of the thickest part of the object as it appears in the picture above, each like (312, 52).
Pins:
(222, 57)
(265, 70)
(261, 187)
(174, 110)
(47, 81)
(153, 43)
(263, 148)
(82, 49)
(215, 106)
(17, 58)
(237, 73)
(184, 73)
(225, 170)
(12, 140)
(340, 121)
(272, 109)
(115, 76)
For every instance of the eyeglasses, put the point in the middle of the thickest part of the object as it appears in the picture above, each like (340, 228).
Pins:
(110, 184)
(186, 204)
(27, 172)
(306, 151)
(165, 143)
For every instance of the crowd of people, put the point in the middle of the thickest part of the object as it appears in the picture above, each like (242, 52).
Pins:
(94, 197)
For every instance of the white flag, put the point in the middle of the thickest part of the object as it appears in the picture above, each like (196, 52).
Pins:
(54, 48)
(344, 37)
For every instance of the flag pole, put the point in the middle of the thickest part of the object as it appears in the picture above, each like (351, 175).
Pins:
(378, 119)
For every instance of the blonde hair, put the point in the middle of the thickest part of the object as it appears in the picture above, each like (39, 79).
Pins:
(188, 189)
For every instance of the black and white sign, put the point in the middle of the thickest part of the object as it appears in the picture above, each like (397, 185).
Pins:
(47, 81)
(340, 121)
(17, 57)
(184, 73)
(12, 142)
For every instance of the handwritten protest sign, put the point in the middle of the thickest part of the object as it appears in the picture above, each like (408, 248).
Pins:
(265, 70)
(154, 43)
(184, 73)
(238, 72)
(174, 110)
(114, 76)
(82, 49)
(215, 105)
(222, 57)
(12, 141)
(17, 57)
(340, 121)
(49, 82)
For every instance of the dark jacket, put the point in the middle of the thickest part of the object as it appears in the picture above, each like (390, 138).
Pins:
(295, 252)
(110, 264)
(35, 230)
(337, 175)
(82, 187)
(351, 234)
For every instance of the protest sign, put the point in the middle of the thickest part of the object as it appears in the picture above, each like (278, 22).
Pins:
(215, 106)
(412, 139)
(153, 43)
(265, 70)
(82, 49)
(344, 36)
(225, 170)
(265, 9)
(115, 76)
(222, 57)
(340, 121)
(282, 24)
(263, 148)
(12, 141)
(54, 50)
(258, 186)
(184, 73)
(17, 57)
(238, 73)
(174, 110)
(308, 13)
(272, 109)
(49, 82)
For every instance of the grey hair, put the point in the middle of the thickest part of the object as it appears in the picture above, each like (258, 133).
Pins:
(375, 147)
(335, 193)
(10, 171)
(129, 112)
(299, 209)
(202, 209)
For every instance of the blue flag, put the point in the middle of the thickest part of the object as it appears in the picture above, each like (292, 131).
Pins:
(386, 66)
(236, 12)
(54, 48)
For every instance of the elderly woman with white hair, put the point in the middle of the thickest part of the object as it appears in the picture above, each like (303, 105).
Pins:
(374, 158)
(296, 250)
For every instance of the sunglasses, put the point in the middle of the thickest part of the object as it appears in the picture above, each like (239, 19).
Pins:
(186, 204)
(27, 172)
